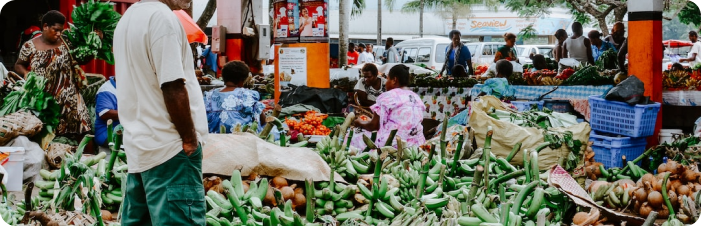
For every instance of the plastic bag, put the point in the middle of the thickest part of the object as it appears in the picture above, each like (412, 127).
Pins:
(630, 91)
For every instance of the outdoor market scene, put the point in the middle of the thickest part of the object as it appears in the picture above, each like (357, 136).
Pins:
(350, 112)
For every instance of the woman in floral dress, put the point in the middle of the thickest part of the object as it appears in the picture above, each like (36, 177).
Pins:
(48, 56)
(398, 108)
(233, 104)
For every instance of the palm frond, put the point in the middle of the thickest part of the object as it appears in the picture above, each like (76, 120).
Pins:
(358, 7)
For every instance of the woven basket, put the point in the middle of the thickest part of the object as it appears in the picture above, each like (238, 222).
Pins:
(90, 92)
(56, 152)
(8, 131)
(29, 125)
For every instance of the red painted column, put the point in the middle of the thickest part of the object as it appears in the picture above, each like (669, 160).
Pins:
(644, 50)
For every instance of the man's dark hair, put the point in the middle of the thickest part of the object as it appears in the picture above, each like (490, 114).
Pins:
(390, 39)
(400, 72)
(510, 36)
(371, 68)
(458, 71)
(560, 33)
(504, 68)
(453, 32)
(577, 28)
(361, 45)
(52, 18)
(235, 71)
(351, 47)
(539, 62)
(694, 33)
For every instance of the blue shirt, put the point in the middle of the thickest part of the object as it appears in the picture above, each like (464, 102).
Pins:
(596, 52)
(210, 59)
(106, 100)
(228, 109)
(462, 59)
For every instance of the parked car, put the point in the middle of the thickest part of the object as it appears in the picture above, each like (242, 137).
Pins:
(427, 51)
(524, 52)
(483, 52)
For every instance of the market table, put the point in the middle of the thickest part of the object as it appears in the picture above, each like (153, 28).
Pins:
(439, 101)
(577, 95)
(681, 98)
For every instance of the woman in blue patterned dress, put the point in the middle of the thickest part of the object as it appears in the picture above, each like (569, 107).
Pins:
(233, 104)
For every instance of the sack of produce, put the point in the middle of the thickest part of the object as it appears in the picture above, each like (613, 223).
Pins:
(630, 91)
(507, 135)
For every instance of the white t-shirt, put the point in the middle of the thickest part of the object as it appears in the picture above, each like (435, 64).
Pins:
(151, 48)
(366, 57)
(696, 48)
(371, 91)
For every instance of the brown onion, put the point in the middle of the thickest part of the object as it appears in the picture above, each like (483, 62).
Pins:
(675, 184)
(287, 192)
(655, 199)
(245, 186)
(580, 218)
(645, 209)
(663, 213)
(279, 182)
(270, 198)
(673, 199)
(689, 176)
(662, 168)
(684, 190)
(640, 195)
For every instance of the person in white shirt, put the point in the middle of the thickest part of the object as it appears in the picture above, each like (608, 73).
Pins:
(163, 114)
(694, 56)
(391, 55)
(366, 56)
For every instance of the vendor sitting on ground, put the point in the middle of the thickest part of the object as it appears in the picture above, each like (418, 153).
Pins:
(106, 109)
(370, 86)
(499, 86)
(539, 63)
(233, 104)
(677, 67)
(397, 109)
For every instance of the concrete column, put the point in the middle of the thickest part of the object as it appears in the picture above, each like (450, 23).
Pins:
(645, 51)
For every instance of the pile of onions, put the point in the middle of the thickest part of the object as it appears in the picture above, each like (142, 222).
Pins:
(647, 195)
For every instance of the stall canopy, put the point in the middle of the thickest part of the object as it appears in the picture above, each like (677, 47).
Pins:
(194, 33)
(677, 43)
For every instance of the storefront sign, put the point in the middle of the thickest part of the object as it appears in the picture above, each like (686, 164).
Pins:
(501, 25)
(292, 66)
(286, 21)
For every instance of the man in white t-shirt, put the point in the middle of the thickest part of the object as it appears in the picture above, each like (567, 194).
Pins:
(694, 56)
(162, 110)
(365, 56)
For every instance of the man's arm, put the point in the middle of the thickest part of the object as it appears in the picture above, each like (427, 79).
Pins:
(372, 125)
(363, 99)
(622, 55)
(177, 103)
(590, 56)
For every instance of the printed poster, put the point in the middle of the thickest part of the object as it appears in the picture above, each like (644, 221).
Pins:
(313, 21)
(292, 66)
(286, 21)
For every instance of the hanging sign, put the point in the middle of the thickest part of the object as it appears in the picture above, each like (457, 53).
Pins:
(313, 21)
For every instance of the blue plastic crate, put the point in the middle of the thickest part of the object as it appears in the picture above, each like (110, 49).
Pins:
(562, 106)
(611, 156)
(602, 139)
(622, 119)
(526, 105)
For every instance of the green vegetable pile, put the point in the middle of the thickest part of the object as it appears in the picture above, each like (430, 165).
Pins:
(588, 76)
(32, 97)
(607, 60)
(428, 80)
(88, 18)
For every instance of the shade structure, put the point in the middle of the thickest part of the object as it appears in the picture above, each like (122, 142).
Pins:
(194, 33)
(677, 43)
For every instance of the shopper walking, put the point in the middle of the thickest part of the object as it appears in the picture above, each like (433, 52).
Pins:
(507, 51)
(391, 55)
(577, 46)
(456, 53)
(163, 114)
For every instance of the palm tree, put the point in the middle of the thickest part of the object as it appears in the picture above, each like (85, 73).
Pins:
(344, 27)
(455, 8)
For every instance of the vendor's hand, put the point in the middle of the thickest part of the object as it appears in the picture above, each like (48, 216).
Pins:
(357, 122)
(190, 147)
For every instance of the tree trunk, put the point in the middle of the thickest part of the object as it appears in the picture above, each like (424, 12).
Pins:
(602, 25)
(379, 22)
(620, 12)
(343, 18)
(421, 18)
(455, 17)
(207, 14)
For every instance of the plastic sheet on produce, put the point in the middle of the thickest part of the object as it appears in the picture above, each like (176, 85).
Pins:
(326, 100)
(562, 180)
(225, 153)
(507, 135)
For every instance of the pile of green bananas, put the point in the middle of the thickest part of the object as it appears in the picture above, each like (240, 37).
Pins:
(333, 198)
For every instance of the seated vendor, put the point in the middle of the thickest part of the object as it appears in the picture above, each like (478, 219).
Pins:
(459, 71)
(677, 67)
(396, 109)
(499, 86)
(539, 63)
(106, 109)
(370, 86)
(233, 104)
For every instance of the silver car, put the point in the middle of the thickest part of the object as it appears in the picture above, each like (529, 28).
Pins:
(525, 51)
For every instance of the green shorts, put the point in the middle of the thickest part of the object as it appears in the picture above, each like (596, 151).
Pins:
(168, 194)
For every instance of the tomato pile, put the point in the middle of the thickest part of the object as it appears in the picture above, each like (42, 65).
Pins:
(481, 69)
(565, 74)
(310, 124)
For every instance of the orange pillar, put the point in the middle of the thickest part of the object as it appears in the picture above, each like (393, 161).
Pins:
(645, 50)
(318, 74)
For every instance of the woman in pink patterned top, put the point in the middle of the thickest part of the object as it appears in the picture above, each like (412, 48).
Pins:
(398, 108)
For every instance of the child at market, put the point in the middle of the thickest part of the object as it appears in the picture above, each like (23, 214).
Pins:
(398, 108)
(459, 71)
(233, 104)
(499, 86)
(538, 62)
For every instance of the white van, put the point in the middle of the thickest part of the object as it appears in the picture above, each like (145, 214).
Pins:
(427, 51)
(484, 52)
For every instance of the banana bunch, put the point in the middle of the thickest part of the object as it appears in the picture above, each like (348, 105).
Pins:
(550, 81)
(339, 159)
(333, 198)
(11, 217)
(612, 195)
(418, 217)
(383, 202)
